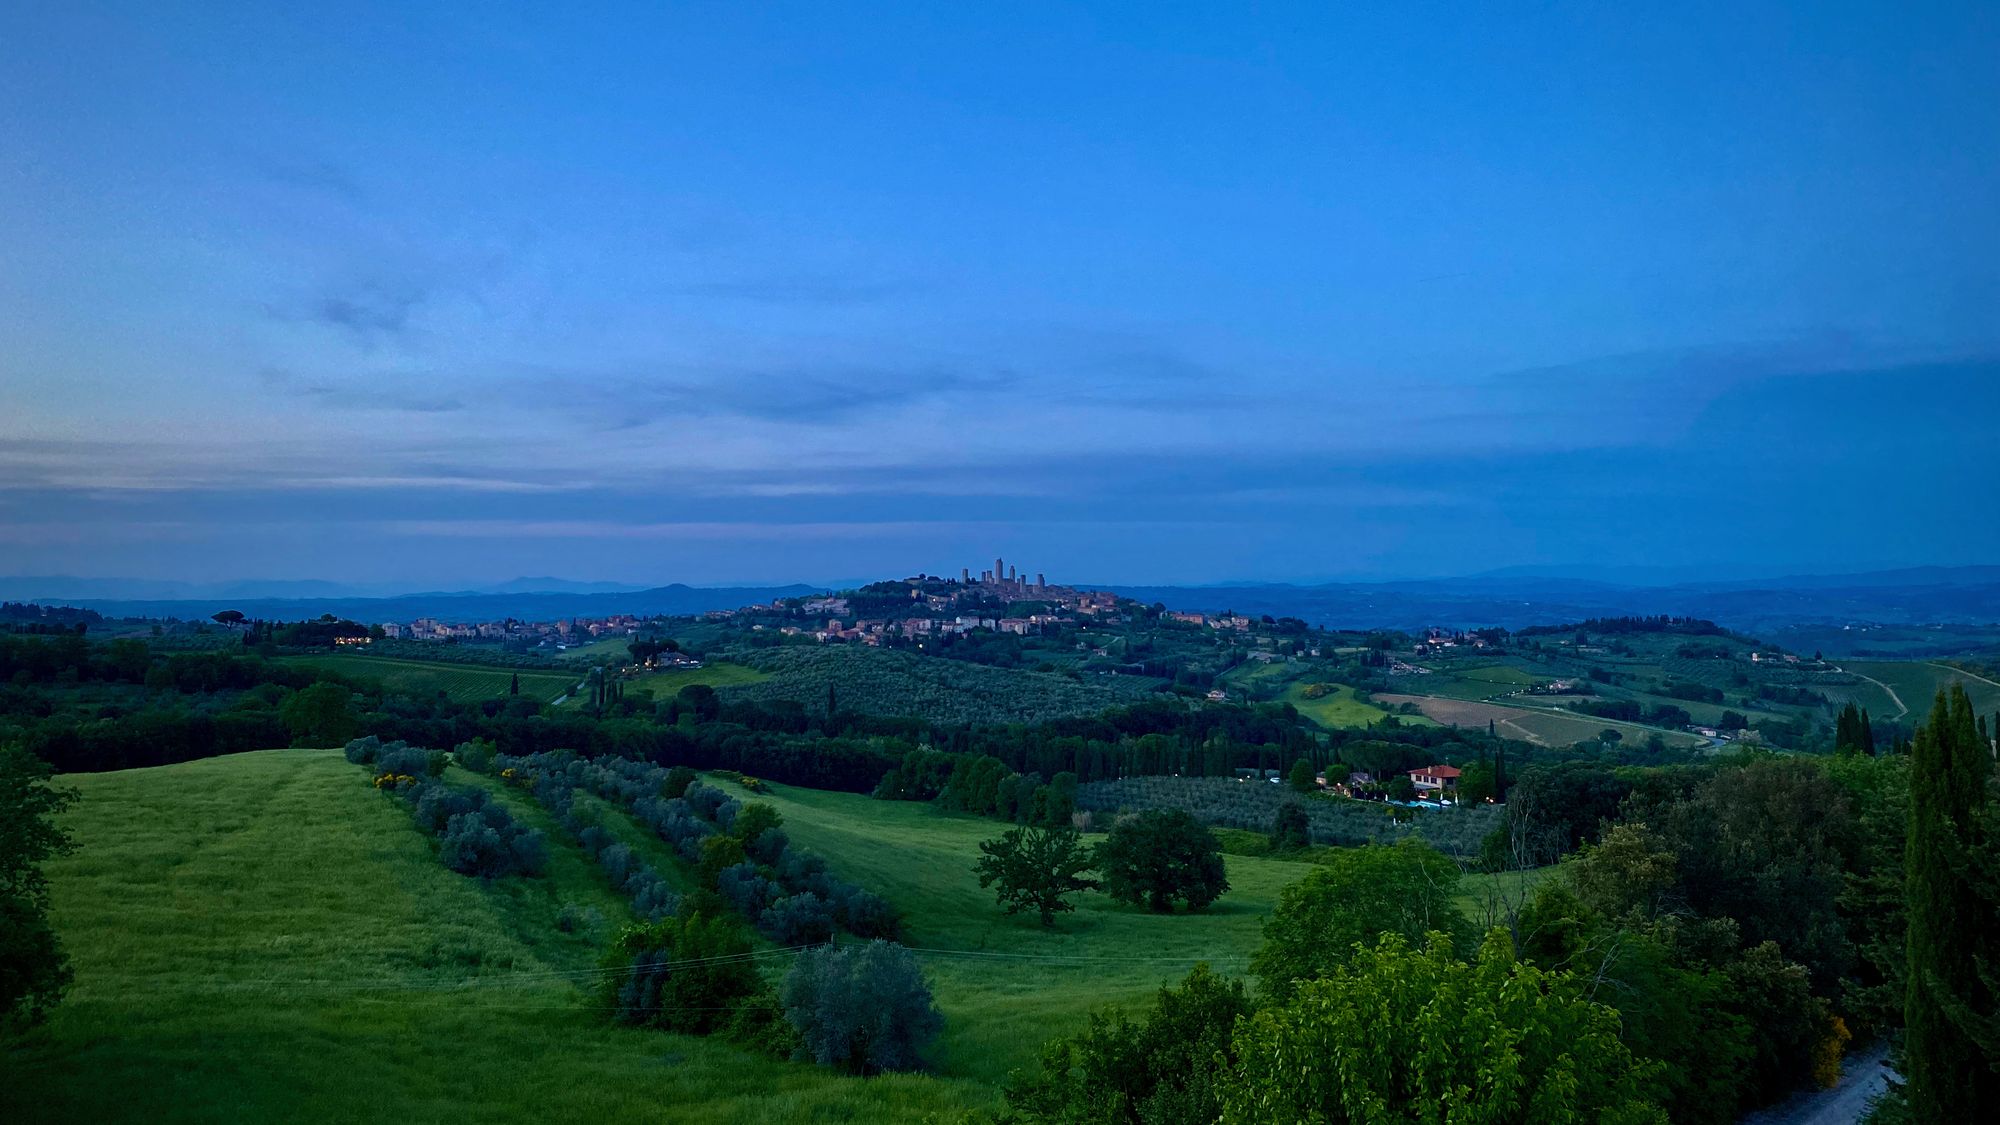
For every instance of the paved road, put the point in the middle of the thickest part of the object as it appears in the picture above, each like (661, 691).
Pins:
(1863, 1077)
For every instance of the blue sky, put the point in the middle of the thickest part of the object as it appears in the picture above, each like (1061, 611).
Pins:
(1152, 293)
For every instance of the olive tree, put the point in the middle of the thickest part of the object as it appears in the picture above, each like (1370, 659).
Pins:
(862, 1008)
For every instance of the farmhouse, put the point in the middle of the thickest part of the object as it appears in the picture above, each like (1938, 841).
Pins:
(1435, 780)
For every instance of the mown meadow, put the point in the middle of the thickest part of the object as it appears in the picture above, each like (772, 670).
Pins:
(264, 937)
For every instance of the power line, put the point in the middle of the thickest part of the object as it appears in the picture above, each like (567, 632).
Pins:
(585, 976)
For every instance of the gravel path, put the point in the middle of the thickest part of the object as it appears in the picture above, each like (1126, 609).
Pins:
(1862, 1077)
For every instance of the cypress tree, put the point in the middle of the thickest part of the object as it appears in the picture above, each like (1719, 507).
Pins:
(515, 687)
(1950, 934)
(1867, 734)
(1843, 730)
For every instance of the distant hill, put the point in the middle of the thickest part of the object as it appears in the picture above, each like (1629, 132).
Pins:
(1924, 595)
(455, 607)
(1913, 596)
(558, 586)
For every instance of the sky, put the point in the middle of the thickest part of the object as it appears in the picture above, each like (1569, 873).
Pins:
(441, 295)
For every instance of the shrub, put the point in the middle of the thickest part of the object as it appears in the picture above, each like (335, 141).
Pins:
(476, 755)
(1358, 895)
(862, 1008)
(395, 757)
(617, 862)
(652, 897)
(745, 888)
(865, 914)
(1289, 829)
(1401, 1035)
(489, 843)
(800, 919)
(434, 804)
(718, 853)
(753, 820)
(676, 782)
(1163, 1069)
(769, 846)
(705, 800)
(685, 974)
(573, 919)
(1237, 804)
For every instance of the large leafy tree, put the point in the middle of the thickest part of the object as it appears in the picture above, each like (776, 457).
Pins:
(33, 970)
(1158, 856)
(321, 714)
(1290, 829)
(1667, 1011)
(1403, 1035)
(1951, 932)
(1359, 894)
(1036, 869)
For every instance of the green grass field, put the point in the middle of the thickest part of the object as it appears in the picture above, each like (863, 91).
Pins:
(263, 937)
(463, 683)
(1006, 985)
(1338, 708)
(615, 650)
(1915, 684)
(720, 673)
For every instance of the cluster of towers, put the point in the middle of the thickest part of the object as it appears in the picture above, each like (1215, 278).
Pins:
(1005, 577)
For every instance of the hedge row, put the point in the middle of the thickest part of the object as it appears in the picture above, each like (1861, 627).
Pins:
(476, 835)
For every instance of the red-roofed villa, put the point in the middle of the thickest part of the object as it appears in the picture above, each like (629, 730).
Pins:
(1435, 781)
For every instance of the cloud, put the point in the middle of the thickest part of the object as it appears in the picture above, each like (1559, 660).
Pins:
(706, 530)
(356, 396)
(796, 290)
(322, 176)
(809, 396)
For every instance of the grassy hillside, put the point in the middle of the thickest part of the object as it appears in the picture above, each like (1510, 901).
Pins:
(1008, 985)
(463, 683)
(1915, 683)
(264, 938)
(716, 674)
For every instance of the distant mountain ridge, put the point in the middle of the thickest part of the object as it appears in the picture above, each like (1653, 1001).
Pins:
(464, 607)
(1914, 596)
(1511, 599)
(57, 587)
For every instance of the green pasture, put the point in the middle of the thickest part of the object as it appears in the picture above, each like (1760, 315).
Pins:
(721, 673)
(264, 937)
(1338, 708)
(1916, 683)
